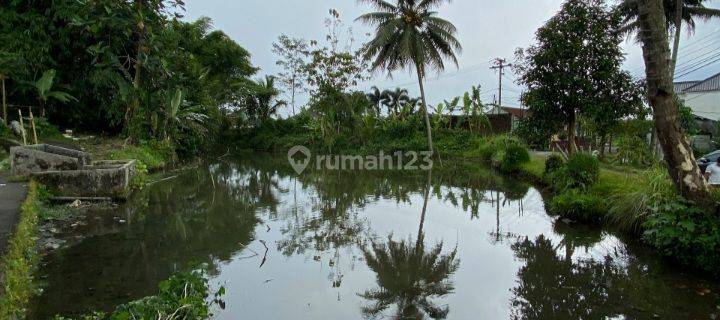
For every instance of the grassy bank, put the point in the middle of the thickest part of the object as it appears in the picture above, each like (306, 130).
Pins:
(19, 264)
(642, 203)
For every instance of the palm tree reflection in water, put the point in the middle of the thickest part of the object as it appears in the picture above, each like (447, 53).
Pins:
(409, 276)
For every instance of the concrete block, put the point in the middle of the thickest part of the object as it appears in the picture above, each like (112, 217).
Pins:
(25, 160)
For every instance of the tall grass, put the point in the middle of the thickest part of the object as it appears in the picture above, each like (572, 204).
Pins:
(632, 202)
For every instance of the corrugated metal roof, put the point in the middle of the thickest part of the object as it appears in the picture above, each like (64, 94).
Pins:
(681, 86)
(709, 84)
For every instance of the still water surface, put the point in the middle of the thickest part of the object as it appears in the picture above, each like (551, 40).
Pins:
(459, 242)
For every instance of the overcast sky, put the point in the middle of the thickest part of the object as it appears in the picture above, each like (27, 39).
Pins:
(486, 29)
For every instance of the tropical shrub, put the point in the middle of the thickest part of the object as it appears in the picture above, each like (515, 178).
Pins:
(687, 233)
(580, 171)
(553, 163)
(577, 205)
(504, 153)
(510, 158)
(583, 169)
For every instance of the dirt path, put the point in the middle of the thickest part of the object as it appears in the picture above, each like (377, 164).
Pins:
(12, 194)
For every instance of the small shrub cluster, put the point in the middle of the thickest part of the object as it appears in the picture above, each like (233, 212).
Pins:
(580, 171)
(183, 296)
(505, 153)
(685, 232)
(577, 205)
(573, 179)
(553, 163)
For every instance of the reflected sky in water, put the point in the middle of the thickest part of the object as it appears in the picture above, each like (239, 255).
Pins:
(458, 243)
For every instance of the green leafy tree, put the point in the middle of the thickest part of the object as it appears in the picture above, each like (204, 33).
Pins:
(574, 69)
(410, 34)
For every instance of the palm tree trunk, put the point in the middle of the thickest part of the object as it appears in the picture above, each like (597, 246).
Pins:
(4, 100)
(424, 210)
(681, 164)
(676, 44)
(428, 129)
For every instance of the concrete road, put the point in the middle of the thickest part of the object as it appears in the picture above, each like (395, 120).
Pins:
(12, 194)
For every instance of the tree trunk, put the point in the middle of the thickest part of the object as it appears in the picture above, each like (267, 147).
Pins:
(4, 100)
(681, 163)
(428, 129)
(424, 209)
(135, 105)
(603, 139)
(676, 40)
(572, 148)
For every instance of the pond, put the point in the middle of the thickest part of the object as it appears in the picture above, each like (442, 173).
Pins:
(457, 242)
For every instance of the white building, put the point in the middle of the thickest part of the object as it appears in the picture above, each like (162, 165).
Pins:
(703, 96)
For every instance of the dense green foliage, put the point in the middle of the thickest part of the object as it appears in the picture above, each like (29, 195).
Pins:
(124, 66)
(21, 260)
(685, 232)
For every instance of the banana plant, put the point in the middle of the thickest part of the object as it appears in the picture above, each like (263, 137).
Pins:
(180, 119)
(43, 89)
(450, 107)
(439, 110)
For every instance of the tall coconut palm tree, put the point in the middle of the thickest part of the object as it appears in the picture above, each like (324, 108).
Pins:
(681, 164)
(409, 34)
(676, 12)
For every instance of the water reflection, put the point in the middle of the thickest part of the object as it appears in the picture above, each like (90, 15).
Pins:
(343, 244)
(410, 277)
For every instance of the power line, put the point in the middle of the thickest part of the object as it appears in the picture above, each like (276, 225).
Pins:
(696, 64)
(446, 75)
(701, 67)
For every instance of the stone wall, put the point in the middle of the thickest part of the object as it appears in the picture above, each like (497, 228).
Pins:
(101, 179)
(26, 160)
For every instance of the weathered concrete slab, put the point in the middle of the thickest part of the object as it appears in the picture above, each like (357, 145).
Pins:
(101, 179)
(26, 160)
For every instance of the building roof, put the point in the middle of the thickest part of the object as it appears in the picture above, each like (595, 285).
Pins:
(681, 86)
(709, 84)
(517, 112)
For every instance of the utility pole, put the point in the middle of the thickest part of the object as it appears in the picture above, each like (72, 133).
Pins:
(500, 65)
